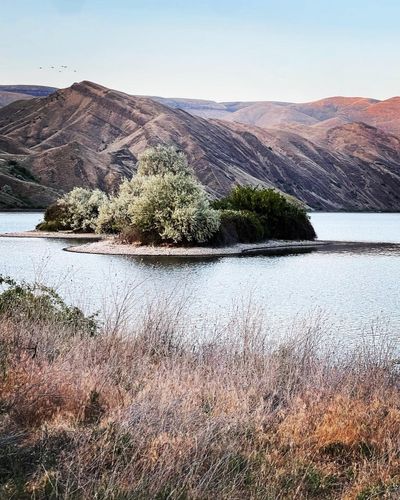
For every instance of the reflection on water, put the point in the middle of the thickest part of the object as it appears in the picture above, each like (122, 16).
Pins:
(353, 287)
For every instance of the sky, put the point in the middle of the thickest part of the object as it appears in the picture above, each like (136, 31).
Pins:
(224, 50)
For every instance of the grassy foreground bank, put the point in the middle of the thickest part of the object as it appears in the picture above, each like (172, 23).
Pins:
(138, 408)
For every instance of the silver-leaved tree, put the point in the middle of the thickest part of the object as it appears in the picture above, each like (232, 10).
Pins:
(163, 202)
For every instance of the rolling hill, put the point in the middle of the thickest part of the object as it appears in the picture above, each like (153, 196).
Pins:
(28, 90)
(88, 135)
(311, 119)
(9, 97)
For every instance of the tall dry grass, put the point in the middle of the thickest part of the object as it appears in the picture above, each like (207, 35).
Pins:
(147, 410)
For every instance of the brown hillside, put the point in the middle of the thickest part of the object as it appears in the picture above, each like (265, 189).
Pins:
(88, 135)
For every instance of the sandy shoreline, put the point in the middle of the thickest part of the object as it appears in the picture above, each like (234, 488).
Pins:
(107, 245)
(110, 247)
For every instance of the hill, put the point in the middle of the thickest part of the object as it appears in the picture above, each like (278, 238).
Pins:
(29, 90)
(310, 119)
(88, 135)
(12, 93)
(9, 97)
(97, 134)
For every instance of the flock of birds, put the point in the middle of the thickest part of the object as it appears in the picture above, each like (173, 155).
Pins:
(63, 68)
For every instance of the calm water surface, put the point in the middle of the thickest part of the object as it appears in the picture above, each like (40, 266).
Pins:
(376, 227)
(353, 289)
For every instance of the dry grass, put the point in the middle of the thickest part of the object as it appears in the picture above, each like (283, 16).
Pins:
(144, 411)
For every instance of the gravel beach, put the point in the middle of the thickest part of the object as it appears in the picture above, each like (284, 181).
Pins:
(111, 247)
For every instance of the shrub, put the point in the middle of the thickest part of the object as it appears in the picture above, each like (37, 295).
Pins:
(163, 160)
(83, 207)
(114, 213)
(238, 226)
(54, 218)
(163, 203)
(175, 208)
(77, 210)
(20, 172)
(22, 302)
(281, 218)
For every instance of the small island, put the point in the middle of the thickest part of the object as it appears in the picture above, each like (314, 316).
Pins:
(164, 210)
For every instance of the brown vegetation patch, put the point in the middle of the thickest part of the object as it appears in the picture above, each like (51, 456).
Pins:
(146, 411)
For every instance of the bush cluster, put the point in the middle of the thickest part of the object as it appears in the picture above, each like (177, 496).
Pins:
(147, 408)
(238, 226)
(164, 203)
(279, 217)
(20, 171)
(161, 208)
(77, 211)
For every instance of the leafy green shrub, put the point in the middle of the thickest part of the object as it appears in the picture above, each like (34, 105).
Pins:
(238, 226)
(6, 189)
(77, 210)
(55, 218)
(22, 301)
(162, 203)
(51, 226)
(281, 218)
(175, 208)
(114, 215)
(162, 160)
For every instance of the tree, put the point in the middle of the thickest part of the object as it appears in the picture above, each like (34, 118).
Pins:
(163, 202)
(77, 210)
(82, 208)
(162, 160)
(174, 207)
(280, 217)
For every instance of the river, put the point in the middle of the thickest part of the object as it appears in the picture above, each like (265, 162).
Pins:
(354, 290)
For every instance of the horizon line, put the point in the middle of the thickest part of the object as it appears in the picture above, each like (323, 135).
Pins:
(203, 99)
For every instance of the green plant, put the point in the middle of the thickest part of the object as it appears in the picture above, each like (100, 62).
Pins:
(162, 203)
(23, 301)
(20, 171)
(162, 160)
(55, 218)
(175, 208)
(114, 215)
(6, 189)
(280, 217)
(238, 226)
(77, 210)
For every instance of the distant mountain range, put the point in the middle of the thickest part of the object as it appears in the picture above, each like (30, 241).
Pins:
(310, 119)
(29, 90)
(340, 153)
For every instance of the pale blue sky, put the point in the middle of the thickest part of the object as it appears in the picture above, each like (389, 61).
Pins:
(222, 49)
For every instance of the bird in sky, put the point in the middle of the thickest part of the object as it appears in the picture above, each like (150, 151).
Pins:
(61, 68)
